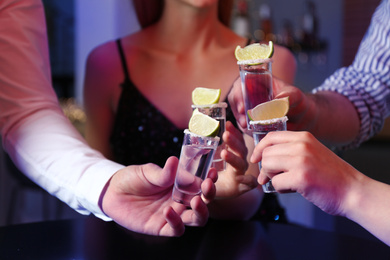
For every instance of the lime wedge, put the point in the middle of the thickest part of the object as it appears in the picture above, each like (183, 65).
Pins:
(205, 96)
(275, 108)
(203, 125)
(254, 51)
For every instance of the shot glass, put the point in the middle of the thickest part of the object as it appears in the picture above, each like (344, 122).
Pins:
(218, 112)
(196, 156)
(259, 130)
(256, 82)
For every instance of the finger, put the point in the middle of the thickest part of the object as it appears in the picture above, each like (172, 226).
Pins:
(213, 175)
(280, 87)
(175, 225)
(239, 164)
(234, 139)
(272, 139)
(171, 165)
(274, 164)
(247, 182)
(166, 176)
(263, 178)
(208, 190)
(236, 102)
(284, 182)
(199, 214)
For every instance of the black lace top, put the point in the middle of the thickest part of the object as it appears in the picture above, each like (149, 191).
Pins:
(141, 133)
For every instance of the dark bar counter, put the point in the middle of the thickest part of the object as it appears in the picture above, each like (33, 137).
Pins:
(92, 238)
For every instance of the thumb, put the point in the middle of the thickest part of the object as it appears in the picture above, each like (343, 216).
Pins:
(169, 171)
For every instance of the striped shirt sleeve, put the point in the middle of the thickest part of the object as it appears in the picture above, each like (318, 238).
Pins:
(366, 83)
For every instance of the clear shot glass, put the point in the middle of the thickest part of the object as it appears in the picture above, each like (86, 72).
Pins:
(196, 156)
(218, 112)
(256, 82)
(259, 130)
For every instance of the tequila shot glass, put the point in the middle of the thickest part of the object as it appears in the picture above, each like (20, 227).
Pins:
(256, 82)
(218, 112)
(259, 130)
(196, 156)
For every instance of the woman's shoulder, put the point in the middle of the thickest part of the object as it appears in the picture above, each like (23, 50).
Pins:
(103, 67)
(283, 53)
(285, 64)
(103, 55)
(109, 51)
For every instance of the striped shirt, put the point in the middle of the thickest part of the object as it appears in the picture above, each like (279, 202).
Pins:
(366, 83)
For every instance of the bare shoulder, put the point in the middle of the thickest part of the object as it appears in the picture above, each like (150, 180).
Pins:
(285, 64)
(103, 74)
(283, 54)
(103, 57)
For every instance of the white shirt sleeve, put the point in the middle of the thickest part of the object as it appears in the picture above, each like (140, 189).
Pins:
(39, 138)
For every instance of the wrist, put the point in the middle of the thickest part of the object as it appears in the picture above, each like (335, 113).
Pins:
(102, 196)
(355, 196)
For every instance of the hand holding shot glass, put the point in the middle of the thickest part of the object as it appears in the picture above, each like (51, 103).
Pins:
(262, 113)
(197, 153)
(260, 129)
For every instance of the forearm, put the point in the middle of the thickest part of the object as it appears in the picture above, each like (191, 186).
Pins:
(368, 205)
(51, 152)
(334, 119)
(36, 134)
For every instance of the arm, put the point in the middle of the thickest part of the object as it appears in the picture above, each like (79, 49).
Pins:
(366, 83)
(38, 137)
(99, 89)
(48, 149)
(357, 97)
(297, 162)
(326, 114)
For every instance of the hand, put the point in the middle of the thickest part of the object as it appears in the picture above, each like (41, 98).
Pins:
(296, 161)
(139, 198)
(236, 102)
(233, 182)
(301, 114)
(316, 113)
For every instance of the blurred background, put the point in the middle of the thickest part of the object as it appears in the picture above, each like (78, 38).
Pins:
(323, 35)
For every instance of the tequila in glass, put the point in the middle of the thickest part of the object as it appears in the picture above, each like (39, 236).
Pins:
(196, 156)
(256, 82)
(259, 130)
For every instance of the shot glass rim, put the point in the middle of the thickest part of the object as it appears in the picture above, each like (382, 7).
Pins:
(220, 104)
(215, 138)
(254, 62)
(270, 121)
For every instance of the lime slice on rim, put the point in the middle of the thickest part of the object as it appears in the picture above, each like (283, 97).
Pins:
(254, 51)
(205, 96)
(203, 125)
(275, 108)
